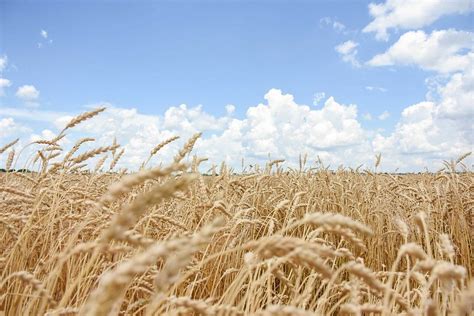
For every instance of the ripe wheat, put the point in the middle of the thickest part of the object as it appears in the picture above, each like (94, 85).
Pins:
(170, 241)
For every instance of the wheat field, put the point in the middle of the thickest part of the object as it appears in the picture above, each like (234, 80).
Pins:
(169, 240)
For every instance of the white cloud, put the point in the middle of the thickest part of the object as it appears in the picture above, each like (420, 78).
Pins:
(427, 133)
(230, 109)
(441, 127)
(280, 127)
(3, 62)
(325, 20)
(45, 134)
(411, 14)
(367, 116)
(6, 124)
(415, 134)
(4, 83)
(10, 128)
(385, 115)
(191, 119)
(338, 26)
(346, 47)
(31, 114)
(440, 51)
(284, 125)
(28, 93)
(348, 52)
(335, 24)
(457, 96)
(317, 97)
(45, 39)
(372, 88)
(431, 131)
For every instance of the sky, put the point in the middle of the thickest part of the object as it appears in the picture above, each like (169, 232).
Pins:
(338, 80)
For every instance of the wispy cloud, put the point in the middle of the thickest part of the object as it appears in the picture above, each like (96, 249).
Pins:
(4, 83)
(26, 114)
(367, 116)
(3, 62)
(372, 88)
(385, 115)
(317, 97)
(45, 39)
(348, 52)
(335, 24)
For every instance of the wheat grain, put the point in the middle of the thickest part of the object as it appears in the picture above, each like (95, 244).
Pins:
(5, 147)
(82, 117)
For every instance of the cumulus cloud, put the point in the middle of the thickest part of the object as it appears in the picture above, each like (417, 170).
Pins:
(10, 128)
(434, 130)
(279, 127)
(6, 124)
(283, 126)
(439, 127)
(457, 96)
(28, 93)
(191, 119)
(44, 34)
(442, 51)
(415, 134)
(411, 14)
(348, 52)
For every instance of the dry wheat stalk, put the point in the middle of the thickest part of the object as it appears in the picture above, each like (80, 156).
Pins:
(4, 148)
(128, 182)
(9, 162)
(91, 153)
(187, 148)
(82, 117)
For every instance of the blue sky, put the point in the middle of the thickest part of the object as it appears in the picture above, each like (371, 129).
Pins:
(155, 55)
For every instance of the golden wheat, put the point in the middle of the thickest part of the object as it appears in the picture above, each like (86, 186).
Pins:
(293, 242)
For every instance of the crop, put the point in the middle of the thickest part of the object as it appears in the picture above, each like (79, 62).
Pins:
(270, 241)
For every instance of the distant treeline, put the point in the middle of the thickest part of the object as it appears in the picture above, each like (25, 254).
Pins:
(2, 170)
(14, 170)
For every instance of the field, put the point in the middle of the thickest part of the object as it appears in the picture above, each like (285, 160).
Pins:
(271, 241)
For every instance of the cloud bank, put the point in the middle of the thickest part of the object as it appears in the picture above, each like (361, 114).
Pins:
(279, 128)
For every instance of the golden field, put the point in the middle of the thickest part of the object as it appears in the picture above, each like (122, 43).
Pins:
(271, 241)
